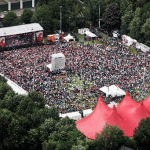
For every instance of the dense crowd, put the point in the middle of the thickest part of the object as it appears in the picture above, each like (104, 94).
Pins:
(98, 63)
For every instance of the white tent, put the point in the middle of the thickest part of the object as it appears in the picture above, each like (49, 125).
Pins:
(90, 34)
(69, 37)
(113, 91)
(73, 115)
(58, 62)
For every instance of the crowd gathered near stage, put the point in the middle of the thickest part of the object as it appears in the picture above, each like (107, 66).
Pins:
(98, 63)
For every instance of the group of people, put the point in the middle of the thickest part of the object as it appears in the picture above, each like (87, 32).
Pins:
(99, 64)
(17, 40)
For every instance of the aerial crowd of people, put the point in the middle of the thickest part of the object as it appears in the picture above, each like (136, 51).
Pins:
(99, 64)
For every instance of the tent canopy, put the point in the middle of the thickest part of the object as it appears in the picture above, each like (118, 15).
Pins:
(69, 37)
(20, 29)
(90, 34)
(126, 116)
(112, 90)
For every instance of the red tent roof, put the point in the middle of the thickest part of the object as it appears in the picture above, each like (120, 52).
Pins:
(94, 123)
(146, 102)
(126, 104)
(126, 116)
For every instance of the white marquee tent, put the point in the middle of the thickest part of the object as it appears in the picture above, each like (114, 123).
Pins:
(69, 37)
(90, 34)
(112, 90)
(58, 62)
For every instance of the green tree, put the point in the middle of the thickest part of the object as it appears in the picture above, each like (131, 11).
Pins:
(43, 15)
(125, 20)
(2, 79)
(146, 31)
(46, 128)
(39, 116)
(33, 140)
(112, 17)
(145, 12)
(135, 28)
(4, 88)
(26, 16)
(10, 19)
(38, 99)
(112, 138)
(26, 106)
(123, 6)
(142, 134)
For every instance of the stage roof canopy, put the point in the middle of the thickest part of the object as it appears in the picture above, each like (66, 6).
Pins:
(20, 29)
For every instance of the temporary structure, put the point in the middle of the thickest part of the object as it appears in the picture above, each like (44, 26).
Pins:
(112, 90)
(90, 34)
(126, 116)
(73, 115)
(87, 112)
(58, 62)
(69, 37)
(94, 123)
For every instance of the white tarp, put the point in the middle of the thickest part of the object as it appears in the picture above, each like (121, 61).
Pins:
(26, 28)
(58, 62)
(113, 91)
(87, 112)
(73, 115)
(127, 40)
(90, 34)
(69, 37)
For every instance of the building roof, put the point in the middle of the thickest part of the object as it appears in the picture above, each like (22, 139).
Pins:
(26, 28)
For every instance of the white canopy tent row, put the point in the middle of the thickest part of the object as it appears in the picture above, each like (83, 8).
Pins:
(69, 38)
(15, 87)
(58, 62)
(127, 40)
(112, 90)
(73, 115)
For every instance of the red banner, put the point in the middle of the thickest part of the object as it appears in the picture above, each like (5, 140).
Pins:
(2, 42)
(39, 36)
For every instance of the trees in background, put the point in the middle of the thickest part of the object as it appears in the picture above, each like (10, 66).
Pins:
(110, 138)
(10, 19)
(142, 134)
(26, 16)
(112, 17)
